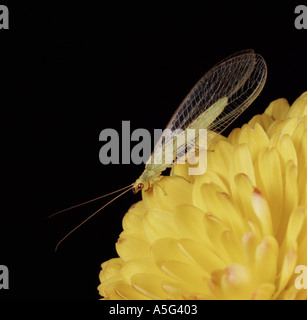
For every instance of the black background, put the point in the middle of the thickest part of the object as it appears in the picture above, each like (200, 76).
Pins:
(70, 71)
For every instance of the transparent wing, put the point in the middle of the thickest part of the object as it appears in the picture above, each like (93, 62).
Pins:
(238, 80)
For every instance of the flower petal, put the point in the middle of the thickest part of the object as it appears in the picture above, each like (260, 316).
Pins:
(202, 255)
(262, 211)
(299, 107)
(148, 285)
(278, 109)
(159, 223)
(189, 221)
(132, 246)
(266, 257)
(241, 162)
(271, 183)
(263, 292)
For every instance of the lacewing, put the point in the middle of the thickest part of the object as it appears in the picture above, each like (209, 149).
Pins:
(215, 101)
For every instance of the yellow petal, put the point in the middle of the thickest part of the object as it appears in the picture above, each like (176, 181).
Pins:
(108, 291)
(159, 223)
(255, 137)
(250, 242)
(132, 246)
(289, 247)
(110, 268)
(262, 211)
(167, 249)
(170, 191)
(148, 285)
(278, 109)
(302, 241)
(209, 177)
(300, 141)
(232, 246)
(266, 258)
(242, 189)
(290, 201)
(189, 221)
(263, 120)
(218, 159)
(241, 162)
(286, 149)
(288, 265)
(192, 276)
(293, 230)
(214, 228)
(133, 219)
(135, 266)
(182, 170)
(263, 292)
(127, 292)
(299, 107)
(271, 183)
(232, 215)
(237, 282)
(214, 205)
(202, 255)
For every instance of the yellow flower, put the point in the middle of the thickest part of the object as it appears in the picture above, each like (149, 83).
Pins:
(236, 232)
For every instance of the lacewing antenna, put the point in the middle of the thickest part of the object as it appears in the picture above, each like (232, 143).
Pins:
(89, 201)
(91, 216)
(128, 188)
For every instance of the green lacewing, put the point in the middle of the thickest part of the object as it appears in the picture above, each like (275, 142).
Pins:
(215, 101)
